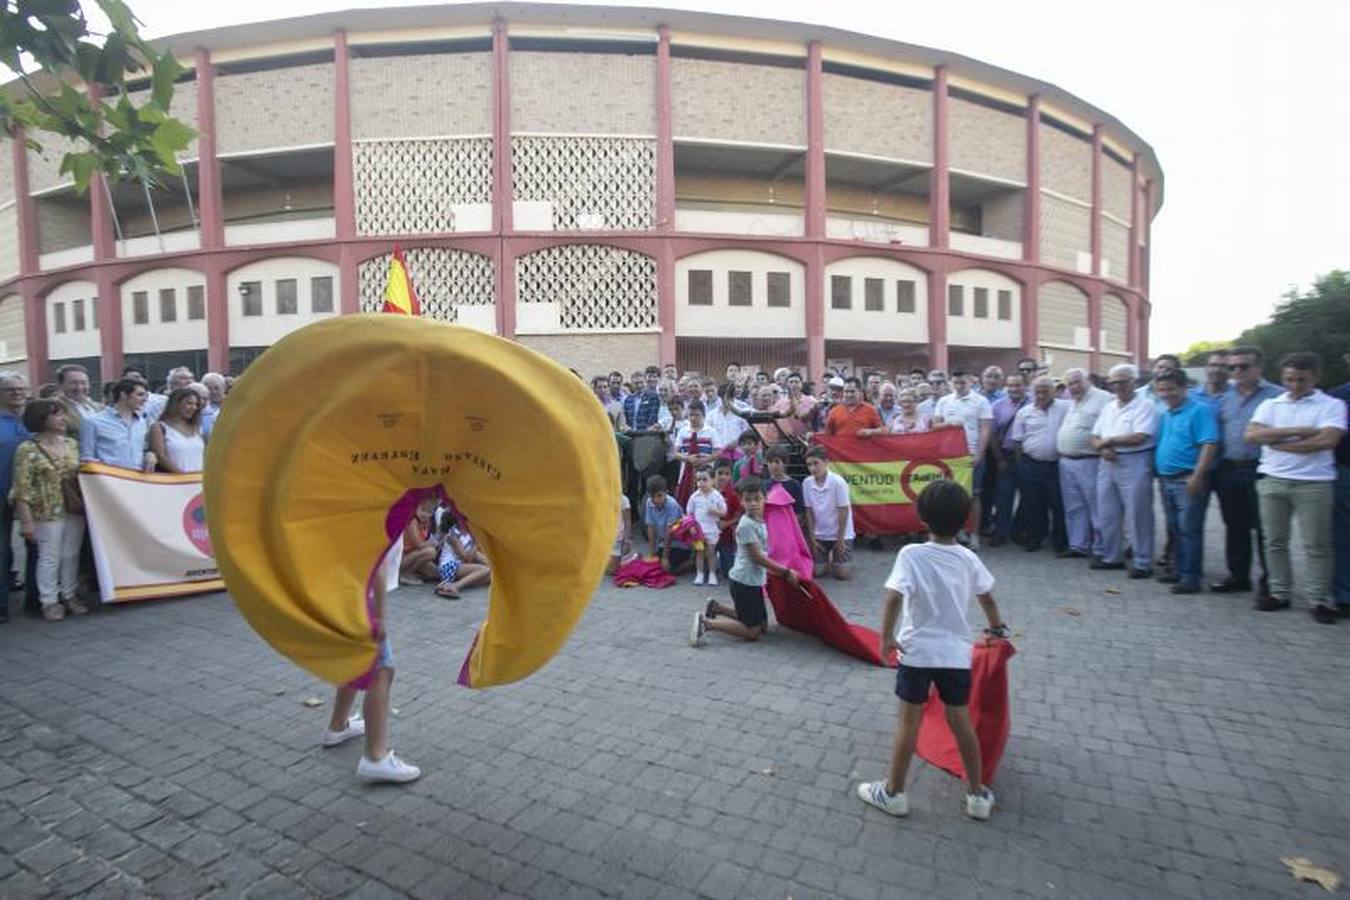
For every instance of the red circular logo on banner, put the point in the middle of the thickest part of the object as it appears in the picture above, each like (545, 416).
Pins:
(907, 475)
(194, 525)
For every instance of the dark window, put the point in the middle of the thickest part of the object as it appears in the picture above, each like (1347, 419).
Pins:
(196, 297)
(1005, 305)
(956, 300)
(77, 314)
(168, 305)
(700, 287)
(841, 292)
(93, 313)
(59, 317)
(740, 289)
(286, 300)
(904, 296)
(981, 303)
(140, 307)
(780, 289)
(321, 294)
(874, 295)
(251, 294)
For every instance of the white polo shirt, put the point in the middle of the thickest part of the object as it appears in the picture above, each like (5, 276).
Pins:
(1317, 410)
(970, 411)
(1139, 416)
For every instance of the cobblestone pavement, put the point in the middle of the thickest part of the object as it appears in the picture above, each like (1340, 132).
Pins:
(1161, 746)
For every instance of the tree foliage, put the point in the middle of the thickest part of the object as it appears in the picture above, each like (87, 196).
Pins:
(109, 132)
(1318, 320)
(1197, 354)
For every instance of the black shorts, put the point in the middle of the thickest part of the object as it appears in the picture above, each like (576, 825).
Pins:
(912, 684)
(749, 602)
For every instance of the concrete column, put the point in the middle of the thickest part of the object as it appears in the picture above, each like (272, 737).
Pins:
(1095, 231)
(344, 189)
(940, 195)
(815, 143)
(665, 140)
(937, 318)
(665, 299)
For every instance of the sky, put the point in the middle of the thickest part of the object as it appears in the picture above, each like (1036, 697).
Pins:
(1246, 104)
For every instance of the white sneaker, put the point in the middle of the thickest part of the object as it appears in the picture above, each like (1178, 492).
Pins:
(712, 578)
(873, 793)
(356, 726)
(697, 630)
(698, 578)
(979, 806)
(391, 768)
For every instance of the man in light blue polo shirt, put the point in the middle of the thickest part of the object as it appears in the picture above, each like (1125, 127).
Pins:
(1188, 442)
(115, 435)
(13, 395)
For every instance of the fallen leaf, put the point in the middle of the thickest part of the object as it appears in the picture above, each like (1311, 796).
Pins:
(278, 692)
(770, 771)
(1113, 590)
(1017, 634)
(1302, 869)
(1070, 611)
(312, 702)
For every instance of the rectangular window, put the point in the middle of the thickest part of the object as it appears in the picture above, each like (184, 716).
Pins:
(904, 296)
(740, 289)
(196, 302)
(93, 313)
(250, 292)
(841, 292)
(874, 294)
(140, 307)
(700, 287)
(168, 305)
(1005, 305)
(77, 314)
(321, 294)
(981, 303)
(287, 304)
(780, 289)
(59, 317)
(956, 300)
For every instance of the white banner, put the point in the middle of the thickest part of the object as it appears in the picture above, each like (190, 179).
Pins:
(149, 534)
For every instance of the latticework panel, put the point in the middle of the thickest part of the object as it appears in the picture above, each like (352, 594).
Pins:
(444, 279)
(412, 187)
(590, 287)
(592, 183)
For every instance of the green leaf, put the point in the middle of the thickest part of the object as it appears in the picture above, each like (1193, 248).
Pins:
(169, 138)
(166, 70)
(81, 167)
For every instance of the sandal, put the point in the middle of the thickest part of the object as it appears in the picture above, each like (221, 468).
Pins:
(447, 590)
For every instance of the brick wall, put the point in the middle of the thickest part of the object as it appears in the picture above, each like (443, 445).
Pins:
(583, 93)
(435, 95)
(878, 119)
(1001, 216)
(1065, 230)
(276, 108)
(738, 102)
(1115, 314)
(1116, 248)
(183, 107)
(1066, 164)
(1115, 188)
(986, 141)
(591, 354)
(62, 225)
(1063, 311)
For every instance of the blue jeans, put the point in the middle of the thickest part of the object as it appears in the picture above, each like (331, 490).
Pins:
(1340, 541)
(1186, 519)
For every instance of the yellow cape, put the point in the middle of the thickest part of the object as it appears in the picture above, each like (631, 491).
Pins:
(339, 419)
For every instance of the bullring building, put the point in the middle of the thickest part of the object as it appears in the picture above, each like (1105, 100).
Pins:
(610, 186)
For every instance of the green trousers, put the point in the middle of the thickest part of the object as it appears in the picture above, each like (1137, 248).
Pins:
(1281, 500)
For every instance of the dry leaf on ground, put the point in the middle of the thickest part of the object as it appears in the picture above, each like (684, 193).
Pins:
(1070, 611)
(1113, 590)
(1303, 869)
(312, 702)
(770, 771)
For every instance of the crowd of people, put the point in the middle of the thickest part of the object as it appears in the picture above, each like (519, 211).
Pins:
(1065, 463)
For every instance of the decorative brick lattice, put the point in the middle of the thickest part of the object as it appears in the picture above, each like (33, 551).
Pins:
(593, 183)
(411, 187)
(594, 287)
(445, 280)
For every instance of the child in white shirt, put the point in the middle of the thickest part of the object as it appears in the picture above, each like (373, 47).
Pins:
(707, 506)
(935, 582)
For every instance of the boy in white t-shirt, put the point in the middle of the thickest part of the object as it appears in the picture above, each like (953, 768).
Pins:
(829, 516)
(935, 582)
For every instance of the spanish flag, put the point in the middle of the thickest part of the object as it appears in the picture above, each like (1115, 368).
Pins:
(399, 296)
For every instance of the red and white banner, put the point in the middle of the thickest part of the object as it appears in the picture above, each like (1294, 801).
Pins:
(148, 533)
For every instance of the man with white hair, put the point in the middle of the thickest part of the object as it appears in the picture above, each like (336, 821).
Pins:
(74, 398)
(1125, 435)
(178, 377)
(1035, 433)
(215, 392)
(887, 408)
(1078, 462)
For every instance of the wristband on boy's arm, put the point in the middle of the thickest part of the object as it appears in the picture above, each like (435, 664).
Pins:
(998, 631)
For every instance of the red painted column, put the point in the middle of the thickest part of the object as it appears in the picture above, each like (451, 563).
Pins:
(1031, 316)
(1095, 326)
(1031, 231)
(35, 332)
(503, 197)
(1095, 228)
(1134, 222)
(349, 280)
(940, 199)
(344, 190)
(211, 209)
(1142, 353)
(665, 198)
(27, 209)
(109, 324)
(815, 312)
(1150, 201)
(937, 318)
(1132, 329)
(815, 210)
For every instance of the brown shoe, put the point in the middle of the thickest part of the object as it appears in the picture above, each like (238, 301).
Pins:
(54, 613)
(75, 606)
(1268, 603)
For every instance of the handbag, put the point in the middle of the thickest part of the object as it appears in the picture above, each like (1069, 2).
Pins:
(71, 497)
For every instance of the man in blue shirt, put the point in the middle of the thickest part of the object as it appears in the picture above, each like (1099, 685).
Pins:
(1235, 475)
(1188, 442)
(115, 436)
(13, 395)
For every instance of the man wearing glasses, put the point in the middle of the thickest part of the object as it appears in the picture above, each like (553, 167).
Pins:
(1124, 436)
(937, 386)
(1235, 477)
(1028, 369)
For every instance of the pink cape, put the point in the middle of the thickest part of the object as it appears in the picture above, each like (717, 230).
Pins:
(643, 573)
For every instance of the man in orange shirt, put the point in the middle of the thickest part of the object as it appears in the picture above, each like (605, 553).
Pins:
(853, 417)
